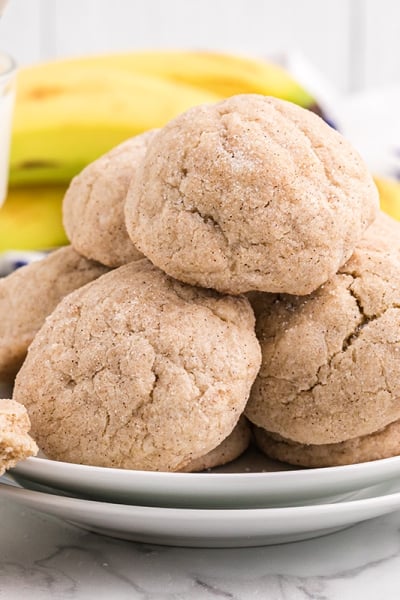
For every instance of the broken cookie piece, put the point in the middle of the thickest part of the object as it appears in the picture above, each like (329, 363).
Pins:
(15, 443)
(330, 369)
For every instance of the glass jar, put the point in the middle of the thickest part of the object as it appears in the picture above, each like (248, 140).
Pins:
(7, 95)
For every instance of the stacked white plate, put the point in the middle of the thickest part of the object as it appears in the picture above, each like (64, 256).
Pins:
(251, 502)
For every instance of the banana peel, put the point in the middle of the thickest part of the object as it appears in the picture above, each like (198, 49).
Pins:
(219, 73)
(389, 194)
(31, 219)
(70, 112)
(65, 119)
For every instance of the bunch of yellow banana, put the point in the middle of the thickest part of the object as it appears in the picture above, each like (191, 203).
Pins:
(389, 193)
(69, 112)
(31, 219)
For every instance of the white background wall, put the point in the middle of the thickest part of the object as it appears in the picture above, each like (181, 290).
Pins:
(355, 43)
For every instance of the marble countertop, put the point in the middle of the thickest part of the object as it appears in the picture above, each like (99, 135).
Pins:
(42, 558)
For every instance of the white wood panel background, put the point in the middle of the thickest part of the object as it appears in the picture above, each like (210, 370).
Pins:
(354, 43)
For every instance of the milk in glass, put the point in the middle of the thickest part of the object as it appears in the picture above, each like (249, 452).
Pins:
(7, 92)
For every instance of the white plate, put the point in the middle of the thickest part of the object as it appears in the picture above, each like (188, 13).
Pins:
(240, 489)
(205, 527)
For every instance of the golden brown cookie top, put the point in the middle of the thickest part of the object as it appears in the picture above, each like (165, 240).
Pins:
(93, 207)
(330, 368)
(251, 193)
(137, 370)
(29, 295)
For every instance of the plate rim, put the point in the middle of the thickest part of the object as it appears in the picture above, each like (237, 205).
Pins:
(287, 474)
(207, 527)
(217, 513)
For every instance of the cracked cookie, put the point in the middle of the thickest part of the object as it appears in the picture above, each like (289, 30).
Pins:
(227, 451)
(251, 193)
(15, 443)
(93, 206)
(374, 446)
(137, 370)
(31, 293)
(331, 360)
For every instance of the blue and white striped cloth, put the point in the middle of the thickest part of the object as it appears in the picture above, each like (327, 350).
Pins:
(9, 261)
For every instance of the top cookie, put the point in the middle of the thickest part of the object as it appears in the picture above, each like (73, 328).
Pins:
(93, 207)
(251, 193)
(15, 442)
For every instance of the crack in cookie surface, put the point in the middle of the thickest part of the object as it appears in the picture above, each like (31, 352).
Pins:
(344, 379)
(133, 373)
(235, 195)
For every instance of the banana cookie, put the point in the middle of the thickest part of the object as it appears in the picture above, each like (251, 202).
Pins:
(331, 361)
(93, 207)
(15, 442)
(380, 444)
(136, 370)
(30, 294)
(251, 193)
(230, 449)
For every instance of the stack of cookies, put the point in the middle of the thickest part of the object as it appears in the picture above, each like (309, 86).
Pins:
(232, 267)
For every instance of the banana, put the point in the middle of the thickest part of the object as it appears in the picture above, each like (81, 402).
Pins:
(31, 219)
(389, 193)
(67, 118)
(219, 73)
(69, 112)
